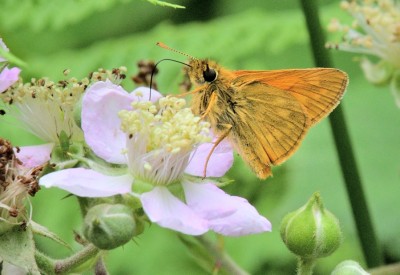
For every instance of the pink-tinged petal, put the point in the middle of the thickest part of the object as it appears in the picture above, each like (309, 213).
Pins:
(207, 200)
(168, 211)
(33, 156)
(246, 220)
(100, 122)
(8, 77)
(220, 161)
(146, 94)
(87, 183)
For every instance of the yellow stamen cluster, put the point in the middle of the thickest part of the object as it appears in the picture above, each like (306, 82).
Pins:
(115, 75)
(169, 125)
(46, 108)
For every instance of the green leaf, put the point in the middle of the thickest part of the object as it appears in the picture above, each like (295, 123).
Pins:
(43, 231)
(56, 14)
(165, 4)
(17, 247)
(238, 48)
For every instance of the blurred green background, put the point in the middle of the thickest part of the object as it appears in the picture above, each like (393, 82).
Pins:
(85, 35)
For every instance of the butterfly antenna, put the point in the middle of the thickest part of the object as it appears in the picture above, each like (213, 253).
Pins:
(155, 67)
(162, 45)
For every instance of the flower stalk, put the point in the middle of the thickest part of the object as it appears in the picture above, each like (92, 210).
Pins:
(221, 258)
(305, 266)
(51, 266)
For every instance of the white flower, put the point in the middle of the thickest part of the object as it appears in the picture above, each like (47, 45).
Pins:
(157, 141)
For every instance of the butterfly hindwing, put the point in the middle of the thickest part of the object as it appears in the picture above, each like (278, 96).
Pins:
(273, 122)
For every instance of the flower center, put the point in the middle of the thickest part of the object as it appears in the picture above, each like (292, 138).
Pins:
(161, 138)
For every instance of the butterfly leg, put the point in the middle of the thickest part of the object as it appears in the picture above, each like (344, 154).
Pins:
(188, 93)
(218, 141)
(213, 100)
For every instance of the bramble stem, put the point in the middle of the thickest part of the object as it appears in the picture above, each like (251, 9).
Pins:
(221, 257)
(366, 233)
(65, 265)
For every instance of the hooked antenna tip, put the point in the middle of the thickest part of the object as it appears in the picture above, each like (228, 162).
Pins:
(162, 45)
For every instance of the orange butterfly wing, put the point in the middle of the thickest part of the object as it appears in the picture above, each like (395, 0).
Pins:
(269, 125)
(274, 110)
(319, 90)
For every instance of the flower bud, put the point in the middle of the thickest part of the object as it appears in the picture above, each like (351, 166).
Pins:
(377, 73)
(108, 226)
(311, 231)
(349, 268)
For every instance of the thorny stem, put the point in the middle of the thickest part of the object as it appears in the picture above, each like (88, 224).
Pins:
(50, 266)
(100, 268)
(305, 266)
(88, 252)
(366, 233)
(221, 257)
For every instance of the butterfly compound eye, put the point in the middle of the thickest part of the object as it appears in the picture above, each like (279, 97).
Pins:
(209, 74)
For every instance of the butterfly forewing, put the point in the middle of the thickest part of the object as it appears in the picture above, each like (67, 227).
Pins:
(269, 125)
(319, 90)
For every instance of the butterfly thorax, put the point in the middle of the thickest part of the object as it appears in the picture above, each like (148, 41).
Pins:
(217, 112)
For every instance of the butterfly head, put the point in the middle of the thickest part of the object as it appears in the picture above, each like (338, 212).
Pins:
(202, 71)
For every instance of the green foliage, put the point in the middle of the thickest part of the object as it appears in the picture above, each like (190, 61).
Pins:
(56, 14)
(165, 4)
(17, 247)
(86, 35)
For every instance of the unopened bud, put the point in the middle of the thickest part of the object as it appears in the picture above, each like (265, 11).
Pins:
(108, 226)
(311, 231)
(349, 268)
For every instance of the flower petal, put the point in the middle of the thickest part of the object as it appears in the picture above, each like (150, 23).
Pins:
(246, 220)
(168, 211)
(226, 214)
(146, 94)
(8, 77)
(87, 183)
(207, 200)
(220, 161)
(32, 156)
(100, 122)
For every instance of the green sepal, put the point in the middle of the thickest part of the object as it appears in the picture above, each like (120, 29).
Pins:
(65, 155)
(43, 231)
(11, 58)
